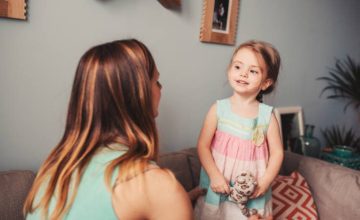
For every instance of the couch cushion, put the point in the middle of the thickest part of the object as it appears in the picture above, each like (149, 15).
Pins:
(292, 198)
(178, 163)
(336, 189)
(14, 187)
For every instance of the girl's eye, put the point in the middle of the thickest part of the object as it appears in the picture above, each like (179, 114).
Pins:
(158, 84)
(237, 67)
(254, 72)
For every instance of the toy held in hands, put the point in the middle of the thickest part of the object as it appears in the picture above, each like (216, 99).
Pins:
(244, 185)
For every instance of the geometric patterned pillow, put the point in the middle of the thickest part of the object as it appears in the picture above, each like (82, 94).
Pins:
(292, 199)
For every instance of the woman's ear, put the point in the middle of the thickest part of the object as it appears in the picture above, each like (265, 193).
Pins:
(266, 84)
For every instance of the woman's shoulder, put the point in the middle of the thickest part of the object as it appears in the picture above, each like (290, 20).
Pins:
(153, 179)
(166, 192)
(161, 180)
(151, 192)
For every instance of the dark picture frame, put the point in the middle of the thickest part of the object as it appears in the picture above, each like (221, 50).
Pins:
(291, 124)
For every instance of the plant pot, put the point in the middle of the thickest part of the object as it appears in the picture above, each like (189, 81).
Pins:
(343, 151)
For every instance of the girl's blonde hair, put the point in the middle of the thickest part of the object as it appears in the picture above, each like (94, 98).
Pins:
(267, 55)
(111, 101)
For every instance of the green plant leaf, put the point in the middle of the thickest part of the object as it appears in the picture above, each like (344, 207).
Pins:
(343, 82)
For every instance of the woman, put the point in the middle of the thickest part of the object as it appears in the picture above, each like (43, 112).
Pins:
(103, 167)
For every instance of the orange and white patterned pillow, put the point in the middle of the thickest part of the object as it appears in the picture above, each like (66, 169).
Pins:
(292, 198)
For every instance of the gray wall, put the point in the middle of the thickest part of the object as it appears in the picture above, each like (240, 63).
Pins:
(38, 58)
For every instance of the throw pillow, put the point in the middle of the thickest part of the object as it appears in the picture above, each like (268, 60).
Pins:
(292, 198)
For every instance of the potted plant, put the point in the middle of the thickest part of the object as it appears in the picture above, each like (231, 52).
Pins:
(343, 83)
(341, 136)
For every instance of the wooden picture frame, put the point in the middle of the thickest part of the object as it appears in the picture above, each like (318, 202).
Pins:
(171, 4)
(13, 9)
(219, 21)
(291, 124)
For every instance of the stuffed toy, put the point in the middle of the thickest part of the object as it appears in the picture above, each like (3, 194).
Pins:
(244, 185)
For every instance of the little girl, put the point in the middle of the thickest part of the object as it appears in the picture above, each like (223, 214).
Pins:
(241, 134)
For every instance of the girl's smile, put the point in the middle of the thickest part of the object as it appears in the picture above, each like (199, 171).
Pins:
(242, 82)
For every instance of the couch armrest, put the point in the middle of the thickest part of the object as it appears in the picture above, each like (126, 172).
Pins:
(291, 162)
(178, 163)
(184, 164)
(336, 189)
(14, 187)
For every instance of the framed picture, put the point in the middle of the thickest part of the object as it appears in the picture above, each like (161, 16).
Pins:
(170, 4)
(13, 9)
(291, 122)
(219, 21)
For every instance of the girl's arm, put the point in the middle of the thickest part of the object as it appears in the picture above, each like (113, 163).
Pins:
(275, 159)
(217, 181)
(156, 194)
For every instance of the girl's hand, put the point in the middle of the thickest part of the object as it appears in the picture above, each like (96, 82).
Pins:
(195, 193)
(219, 184)
(261, 189)
(255, 217)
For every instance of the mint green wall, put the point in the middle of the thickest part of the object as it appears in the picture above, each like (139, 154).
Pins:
(38, 59)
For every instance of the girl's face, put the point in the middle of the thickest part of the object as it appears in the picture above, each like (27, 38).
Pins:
(246, 74)
(156, 91)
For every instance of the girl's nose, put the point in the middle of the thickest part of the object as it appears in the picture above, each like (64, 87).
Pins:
(244, 73)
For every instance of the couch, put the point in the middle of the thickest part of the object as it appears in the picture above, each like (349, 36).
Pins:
(335, 189)
(14, 186)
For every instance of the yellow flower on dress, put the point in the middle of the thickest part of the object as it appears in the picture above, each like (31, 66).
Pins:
(258, 136)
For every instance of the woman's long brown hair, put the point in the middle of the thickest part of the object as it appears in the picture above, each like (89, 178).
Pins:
(110, 102)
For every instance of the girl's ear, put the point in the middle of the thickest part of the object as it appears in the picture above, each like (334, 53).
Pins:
(266, 84)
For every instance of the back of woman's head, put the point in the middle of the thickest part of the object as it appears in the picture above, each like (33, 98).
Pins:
(112, 91)
(111, 101)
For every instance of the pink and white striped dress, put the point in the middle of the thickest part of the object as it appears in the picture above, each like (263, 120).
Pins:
(239, 145)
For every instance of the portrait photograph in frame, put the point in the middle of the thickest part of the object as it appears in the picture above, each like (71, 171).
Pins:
(219, 21)
(291, 124)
